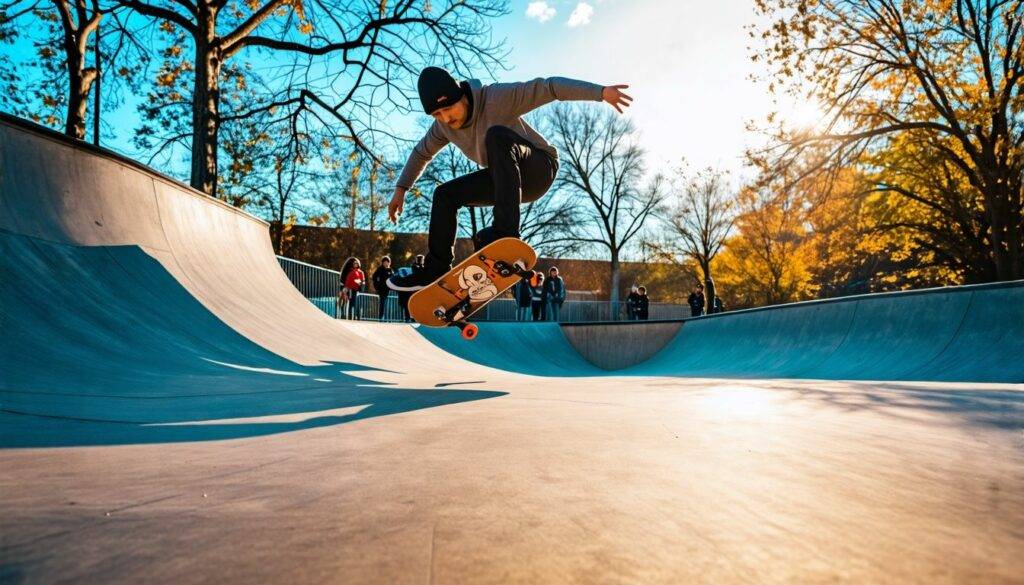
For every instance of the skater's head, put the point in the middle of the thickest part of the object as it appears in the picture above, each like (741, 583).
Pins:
(442, 97)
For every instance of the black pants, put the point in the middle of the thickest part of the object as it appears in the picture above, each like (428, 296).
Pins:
(539, 312)
(403, 301)
(517, 172)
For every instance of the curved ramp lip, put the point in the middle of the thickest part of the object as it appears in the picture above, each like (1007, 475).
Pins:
(55, 136)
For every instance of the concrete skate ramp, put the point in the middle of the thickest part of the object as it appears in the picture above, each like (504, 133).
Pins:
(69, 198)
(971, 333)
(539, 349)
(132, 300)
(955, 334)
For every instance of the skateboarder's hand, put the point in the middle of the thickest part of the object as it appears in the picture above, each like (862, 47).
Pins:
(614, 95)
(397, 205)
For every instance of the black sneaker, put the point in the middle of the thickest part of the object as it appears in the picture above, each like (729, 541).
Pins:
(415, 281)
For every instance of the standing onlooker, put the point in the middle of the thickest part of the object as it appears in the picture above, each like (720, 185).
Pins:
(524, 296)
(537, 299)
(631, 301)
(696, 301)
(718, 307)
(352, 279)
(380, 283)
(554, 293)
(643, 304)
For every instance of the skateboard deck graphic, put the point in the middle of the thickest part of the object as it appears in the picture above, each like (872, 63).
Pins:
(473, 283)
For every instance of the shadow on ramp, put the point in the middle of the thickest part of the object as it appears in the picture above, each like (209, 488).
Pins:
(102, 346)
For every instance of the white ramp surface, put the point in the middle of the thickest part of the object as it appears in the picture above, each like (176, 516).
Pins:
(173, 410)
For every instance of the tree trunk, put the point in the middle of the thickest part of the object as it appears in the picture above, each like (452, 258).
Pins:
(279, 237)
(206, 104)
(613, 296)
(80, 80)
(96, 90)
(373, 197)
(709, 287)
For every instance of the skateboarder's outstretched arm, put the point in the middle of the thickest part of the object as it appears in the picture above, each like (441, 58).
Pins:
(525, 96)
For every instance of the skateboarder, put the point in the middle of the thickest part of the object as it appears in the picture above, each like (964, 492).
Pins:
(485, 123)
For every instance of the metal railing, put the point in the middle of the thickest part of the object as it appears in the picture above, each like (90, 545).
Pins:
(321, 286)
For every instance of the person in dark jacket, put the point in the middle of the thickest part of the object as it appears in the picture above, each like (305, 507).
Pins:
(718, 307)
(696, 301)
(537, 300)
(631, 303)
(643, 304)
(524, 297)
(554, 294)
(380, 284)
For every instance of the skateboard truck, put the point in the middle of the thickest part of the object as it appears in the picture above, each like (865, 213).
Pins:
(505, 270)
(454, 316)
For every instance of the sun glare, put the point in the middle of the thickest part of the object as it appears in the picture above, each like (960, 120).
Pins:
(801, 115)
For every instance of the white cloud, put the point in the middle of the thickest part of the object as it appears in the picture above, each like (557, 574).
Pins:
(540, 11)
(581, 15)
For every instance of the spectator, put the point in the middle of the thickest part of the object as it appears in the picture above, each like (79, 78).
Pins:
(696, 301)
(352, 279)
(537, 299)
(380, 284)
(631, 301)
(718, 307)
(524, 295)
(554, 293)
(643, 304)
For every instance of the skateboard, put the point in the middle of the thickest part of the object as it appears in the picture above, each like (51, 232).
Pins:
(474, 282)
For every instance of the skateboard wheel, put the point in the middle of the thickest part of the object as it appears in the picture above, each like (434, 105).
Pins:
(519, 264)
(439, 312)
(469, 331)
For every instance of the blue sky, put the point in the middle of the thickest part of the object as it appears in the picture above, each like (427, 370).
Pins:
(686, 61)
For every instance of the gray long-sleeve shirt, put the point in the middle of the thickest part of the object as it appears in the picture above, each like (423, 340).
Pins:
(498, 104)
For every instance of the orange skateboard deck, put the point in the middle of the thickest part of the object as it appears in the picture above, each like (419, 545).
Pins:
(474, 282)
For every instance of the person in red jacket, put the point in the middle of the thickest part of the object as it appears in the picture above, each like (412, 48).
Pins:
(352, 279)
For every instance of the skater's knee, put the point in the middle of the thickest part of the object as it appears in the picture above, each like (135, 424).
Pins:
(499, 135)
(443, 196)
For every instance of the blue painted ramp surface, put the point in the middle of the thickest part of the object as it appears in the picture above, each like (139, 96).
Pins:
(954, 334)
(538, 349)
(971, 334)
(104, 334)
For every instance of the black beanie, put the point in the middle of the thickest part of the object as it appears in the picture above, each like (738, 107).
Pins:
(438, 89)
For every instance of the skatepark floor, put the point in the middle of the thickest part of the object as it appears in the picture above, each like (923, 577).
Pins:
(591, 480)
